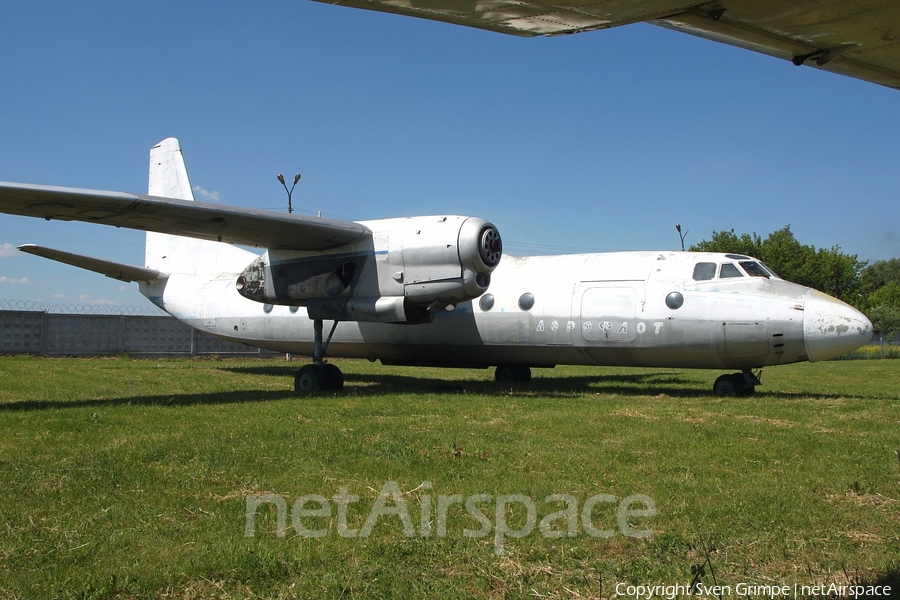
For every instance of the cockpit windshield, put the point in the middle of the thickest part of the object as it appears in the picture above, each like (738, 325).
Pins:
(754, 269)
(705, 271)
(769, 269)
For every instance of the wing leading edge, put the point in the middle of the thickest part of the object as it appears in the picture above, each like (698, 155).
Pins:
(858, 38)
(234, 225)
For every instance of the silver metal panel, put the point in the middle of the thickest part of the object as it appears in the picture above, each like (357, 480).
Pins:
(857, 38)
(743, 340)
(607, 314)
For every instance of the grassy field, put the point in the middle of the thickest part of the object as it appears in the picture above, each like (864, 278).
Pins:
(126, 478)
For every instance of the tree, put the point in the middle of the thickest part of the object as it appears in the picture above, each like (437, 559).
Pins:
(884, 308)
(727, 241)
(878, 275)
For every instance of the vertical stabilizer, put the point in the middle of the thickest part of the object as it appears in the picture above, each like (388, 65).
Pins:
(177, 254)
(168, 175)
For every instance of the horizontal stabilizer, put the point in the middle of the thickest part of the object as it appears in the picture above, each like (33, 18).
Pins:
(213, 222)
(120, 271)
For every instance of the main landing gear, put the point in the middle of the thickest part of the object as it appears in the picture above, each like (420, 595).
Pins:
(740, 385)
(510, 373)
(319, 376)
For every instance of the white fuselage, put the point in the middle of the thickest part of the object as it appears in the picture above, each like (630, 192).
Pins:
(621, 308)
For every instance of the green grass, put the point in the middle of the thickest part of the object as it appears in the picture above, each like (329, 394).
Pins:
(128, 478)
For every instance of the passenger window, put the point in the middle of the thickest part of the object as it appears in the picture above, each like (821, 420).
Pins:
(754, 269)
(729, 270)
(704, 271)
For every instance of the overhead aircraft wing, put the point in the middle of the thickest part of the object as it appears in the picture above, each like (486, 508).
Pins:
(120, 271)
(858, 38)
(231, 224)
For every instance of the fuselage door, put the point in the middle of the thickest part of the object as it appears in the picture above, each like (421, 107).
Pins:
(608, 312)
(742, 341)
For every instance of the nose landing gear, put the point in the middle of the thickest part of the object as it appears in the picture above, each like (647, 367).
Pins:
(739, 385)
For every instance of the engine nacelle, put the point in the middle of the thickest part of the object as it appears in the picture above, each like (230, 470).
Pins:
(448, 265)
(408, 270)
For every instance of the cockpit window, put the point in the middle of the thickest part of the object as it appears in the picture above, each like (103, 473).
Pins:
(729, 270)
(754, 269)
(704, 271)
(770, 271)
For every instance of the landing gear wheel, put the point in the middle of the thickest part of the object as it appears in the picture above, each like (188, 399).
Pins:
(733, 385)
(510, 373)
(334, 379)
(310, 378)
(315, 378)
(524, 373)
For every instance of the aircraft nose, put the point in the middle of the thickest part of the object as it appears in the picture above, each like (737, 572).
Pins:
(832, 328)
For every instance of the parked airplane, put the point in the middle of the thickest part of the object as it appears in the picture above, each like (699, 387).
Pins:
(858, 38)
(434, 291)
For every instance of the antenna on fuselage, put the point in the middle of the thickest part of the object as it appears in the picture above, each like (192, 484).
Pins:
(289, 191)
(681, 235)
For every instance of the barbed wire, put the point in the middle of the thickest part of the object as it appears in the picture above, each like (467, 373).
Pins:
(81, 309)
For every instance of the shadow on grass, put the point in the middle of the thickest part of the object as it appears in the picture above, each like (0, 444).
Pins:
(378, 384)
(627, 385)
(174, 400)
(651, 384)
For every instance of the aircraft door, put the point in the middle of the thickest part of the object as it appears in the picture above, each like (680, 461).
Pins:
(738, 341)
(608, 312)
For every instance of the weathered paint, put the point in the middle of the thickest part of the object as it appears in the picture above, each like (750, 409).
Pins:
(603, 309)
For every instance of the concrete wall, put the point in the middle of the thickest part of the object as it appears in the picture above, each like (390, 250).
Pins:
(51, 334)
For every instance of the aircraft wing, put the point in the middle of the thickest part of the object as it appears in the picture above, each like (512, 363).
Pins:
(235, 225)
(858, 38)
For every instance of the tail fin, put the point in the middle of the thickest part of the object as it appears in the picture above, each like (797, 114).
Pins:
(177, 254)
(168, 175)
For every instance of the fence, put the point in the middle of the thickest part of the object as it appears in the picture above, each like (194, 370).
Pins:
(883, 345)
(51, 334)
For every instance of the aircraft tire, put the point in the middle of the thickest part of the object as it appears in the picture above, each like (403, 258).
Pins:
(524, 373)
(334, 379)
(510, 373)
(310, 378)
(732, 385)
(725, 386)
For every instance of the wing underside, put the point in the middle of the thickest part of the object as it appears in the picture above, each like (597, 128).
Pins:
(858, 38)
(220, 223)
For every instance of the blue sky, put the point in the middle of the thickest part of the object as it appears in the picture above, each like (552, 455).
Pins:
(594, 142)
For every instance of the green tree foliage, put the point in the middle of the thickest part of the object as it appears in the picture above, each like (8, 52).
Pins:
(878, 275)
(884, 307)
(827, 270)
